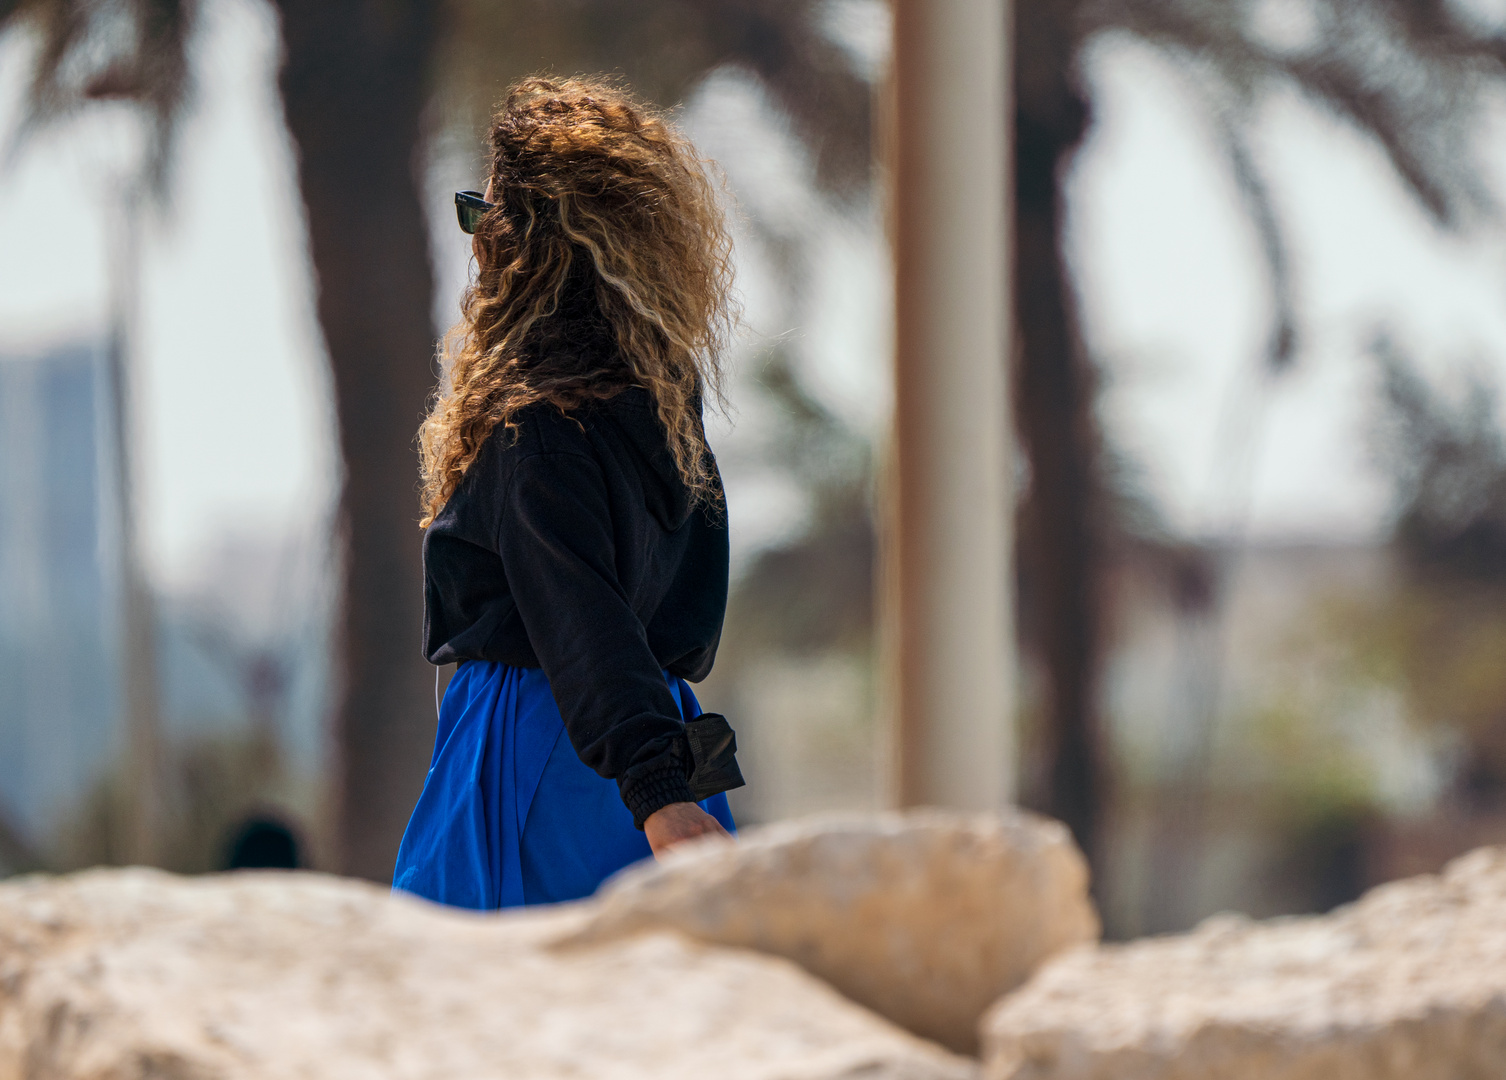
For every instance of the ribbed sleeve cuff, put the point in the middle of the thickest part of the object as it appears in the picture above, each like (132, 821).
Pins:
(654, 787)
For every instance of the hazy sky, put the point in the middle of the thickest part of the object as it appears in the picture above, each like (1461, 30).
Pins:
(231, 393)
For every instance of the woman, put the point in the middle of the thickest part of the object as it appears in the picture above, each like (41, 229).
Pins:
(575, 559)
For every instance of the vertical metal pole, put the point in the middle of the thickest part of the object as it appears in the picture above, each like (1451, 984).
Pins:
(946, 595)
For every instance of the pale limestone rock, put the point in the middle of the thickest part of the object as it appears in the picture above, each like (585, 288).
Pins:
(1409, 983)
(925, 917)
(129, 975)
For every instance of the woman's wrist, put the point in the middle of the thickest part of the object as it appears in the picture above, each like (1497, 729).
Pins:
(648, 789)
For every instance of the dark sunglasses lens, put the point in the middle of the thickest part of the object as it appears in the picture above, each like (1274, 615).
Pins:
(470, 207)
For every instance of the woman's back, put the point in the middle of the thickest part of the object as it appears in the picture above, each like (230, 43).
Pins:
(576, 523)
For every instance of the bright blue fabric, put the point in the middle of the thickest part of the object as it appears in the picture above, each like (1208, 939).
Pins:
(509, 814)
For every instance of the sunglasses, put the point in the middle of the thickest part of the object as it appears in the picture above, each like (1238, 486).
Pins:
(470, 208)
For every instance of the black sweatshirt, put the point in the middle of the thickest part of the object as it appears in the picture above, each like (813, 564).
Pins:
(575, 547)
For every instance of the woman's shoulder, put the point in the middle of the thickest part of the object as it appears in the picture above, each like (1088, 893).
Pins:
(545, 428)
(540, 429)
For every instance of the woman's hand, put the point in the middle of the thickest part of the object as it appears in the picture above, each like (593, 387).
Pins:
(678, 822)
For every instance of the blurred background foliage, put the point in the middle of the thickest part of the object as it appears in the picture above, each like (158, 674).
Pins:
(1223, 720)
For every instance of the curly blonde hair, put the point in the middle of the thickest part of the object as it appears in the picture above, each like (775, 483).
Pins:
(606, 264)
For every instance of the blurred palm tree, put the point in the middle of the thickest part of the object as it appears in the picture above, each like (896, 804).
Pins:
(1407, 73)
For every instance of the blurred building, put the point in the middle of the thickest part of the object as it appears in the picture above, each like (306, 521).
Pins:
(58, 587)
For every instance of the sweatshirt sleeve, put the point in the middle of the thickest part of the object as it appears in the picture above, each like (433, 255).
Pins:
(556, 542)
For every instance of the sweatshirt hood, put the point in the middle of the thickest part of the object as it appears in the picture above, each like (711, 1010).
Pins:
(665, 494)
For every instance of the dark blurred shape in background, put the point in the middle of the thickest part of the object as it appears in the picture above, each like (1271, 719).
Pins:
(262, 844)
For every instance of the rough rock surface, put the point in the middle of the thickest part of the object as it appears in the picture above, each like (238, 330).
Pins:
(925, 917)
(1409, 983)
(135, 974)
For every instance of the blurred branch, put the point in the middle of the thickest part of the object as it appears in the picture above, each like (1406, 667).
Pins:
(663, 48)
(1404, 72)
(1379, 114)
(95, 50)
(816, 591)
(813, 444)
(1257, 199)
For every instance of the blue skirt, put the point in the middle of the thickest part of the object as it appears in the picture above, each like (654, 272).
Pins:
(509, 814)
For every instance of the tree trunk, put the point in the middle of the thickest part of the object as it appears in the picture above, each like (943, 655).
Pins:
(1059, 562)
(354, 87)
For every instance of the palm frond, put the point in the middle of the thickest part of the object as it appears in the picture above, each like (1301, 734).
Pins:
(1253, 189)
(663, 48)
(94, 50)
(1405, 72)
